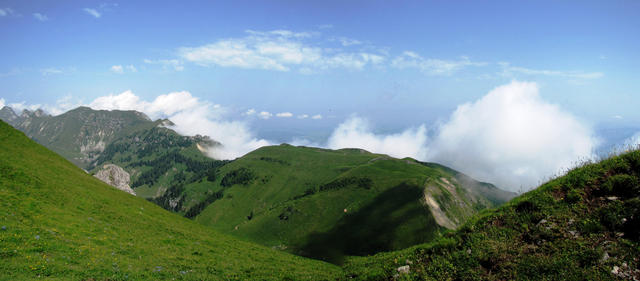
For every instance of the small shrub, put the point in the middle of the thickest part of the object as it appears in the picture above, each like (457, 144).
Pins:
(633, 158)
(589, 226)
(632, 226)
(618, 165)
(526, 207)
(625, 186)
(588, 257)
(573, 196)
(611, 215)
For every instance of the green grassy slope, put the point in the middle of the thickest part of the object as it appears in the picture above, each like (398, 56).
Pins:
(329, 203)
(59, 223)
(582, 226)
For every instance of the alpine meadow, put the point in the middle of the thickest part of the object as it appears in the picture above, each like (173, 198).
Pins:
(319, 140)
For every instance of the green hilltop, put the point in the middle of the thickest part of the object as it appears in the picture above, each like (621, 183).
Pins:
(327, 204)
(582, 226)
(59, 223)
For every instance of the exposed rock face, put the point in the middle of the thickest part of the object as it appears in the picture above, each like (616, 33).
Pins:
(79, 135)
(8, 115)
(116, 177)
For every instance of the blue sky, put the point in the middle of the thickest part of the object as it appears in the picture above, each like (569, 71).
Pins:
(398, 64)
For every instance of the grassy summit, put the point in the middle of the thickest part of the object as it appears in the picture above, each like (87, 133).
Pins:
(58, 222)
(582, 226)
(329, 203)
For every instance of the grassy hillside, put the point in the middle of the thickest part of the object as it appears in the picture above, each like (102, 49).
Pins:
(329, 203)
(59, 223)
(582, 226)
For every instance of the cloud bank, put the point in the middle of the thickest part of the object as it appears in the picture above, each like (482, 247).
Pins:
(510, 137)
(356, 133)
(191, 116)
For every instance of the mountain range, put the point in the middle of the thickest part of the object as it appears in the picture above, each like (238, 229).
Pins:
(298, 199)
(371, 216)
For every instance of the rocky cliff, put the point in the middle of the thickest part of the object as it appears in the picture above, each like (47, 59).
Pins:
(116, 177)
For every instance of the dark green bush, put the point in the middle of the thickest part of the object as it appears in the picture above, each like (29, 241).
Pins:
(573, 196)
(211, 174)
(612, 215)
(241, 176)
(625, 186)
(589, 226)
(361, 182)
(632, 225)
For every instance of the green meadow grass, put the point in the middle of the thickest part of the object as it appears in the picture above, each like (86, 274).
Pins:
(59, 223)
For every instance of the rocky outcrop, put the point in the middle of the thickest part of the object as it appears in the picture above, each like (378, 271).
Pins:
(116, 177)
(8, 115)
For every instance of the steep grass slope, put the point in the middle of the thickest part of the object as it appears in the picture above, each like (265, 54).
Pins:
(582, 226)
(59, 223)
(329, 203)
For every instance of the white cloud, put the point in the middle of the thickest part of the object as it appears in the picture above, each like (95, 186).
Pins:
(509, 137)
(432, 66)
(508, 70)
(346, 42)
(62, 105)
(2, 102)
(303, 116)
(284, 114)
(316, 117)
(6, 12)
(117, 69)
(191, 116)
(512, 137)
(250, 112)
(92, 12)
(166, 64)
(356, 133)
(264, 115)
(124, 101)
(20, 106)
(51, 71)
(279, 50)
(40, 17)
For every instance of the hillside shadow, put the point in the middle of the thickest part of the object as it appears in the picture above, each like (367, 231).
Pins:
(395, 219)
